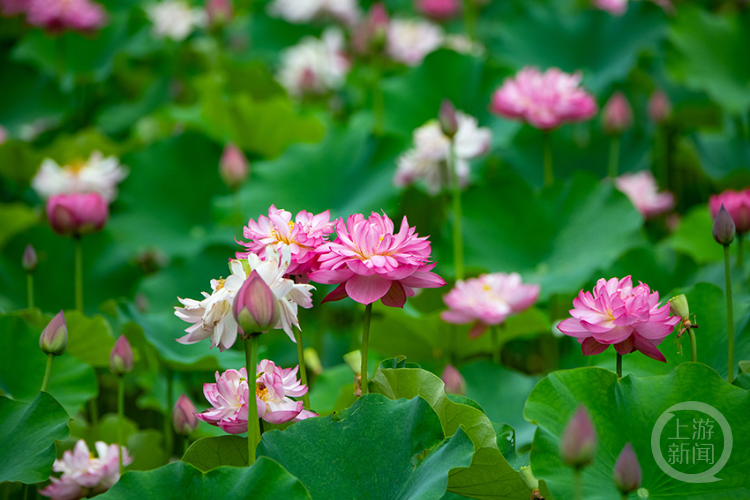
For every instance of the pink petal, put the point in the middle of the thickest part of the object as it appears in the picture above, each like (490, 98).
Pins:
(367, 289)
(396, 296)
(591, 347)
(648, 348)
(337, 294)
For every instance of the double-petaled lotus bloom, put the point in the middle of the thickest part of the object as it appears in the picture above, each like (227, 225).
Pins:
(302, 237)
(488, 300)
(737, 203)
(544, 100)
(183, 416)
(83, 474)
(427, 161)
(614, 7)
(59, 15)
(77, 214)
(371, 263)
(302, 12)
(98, 174)
(617, 115)
(630, 318)
(213, 316)
(274, 388)
(410, 40)
(643, 192)
(174, 19)
(314, 66)
(438, 9)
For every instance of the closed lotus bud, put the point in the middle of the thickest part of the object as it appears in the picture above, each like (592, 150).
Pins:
(438, 9)
(627, 474)
(183, 416)
(454, 382)
(617, 115)
(659, 107)
(256, 309)
(77, 213)
(233, 167)
(219, 12)
(723, 229)
(54, 338)
(121, 358)
(29, 260)
(370, 35)
(578, 444)
(448, 119)
(679, 306)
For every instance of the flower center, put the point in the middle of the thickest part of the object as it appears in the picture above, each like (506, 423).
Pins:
(219, 284)
(286, 238)
(76, 167)
(261, 392)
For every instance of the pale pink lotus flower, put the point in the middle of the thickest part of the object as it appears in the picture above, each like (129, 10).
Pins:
(438, 9)
(545, 100)
(644, 193)
(427, 161)
(737, 203)
(614, 7)
(213, 317)
(305, 11)
(10, 8)
(488, 300)
(617, 115)
(58, 15)
(630, 318)
(410, 40)
(453, 380)
(174, 19)
(233, 166)
(314, 66)
(303, 236)
(370, 262)
(77, 214)
(98, 174)
(83, 474)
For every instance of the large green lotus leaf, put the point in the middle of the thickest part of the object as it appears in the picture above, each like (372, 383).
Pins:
(723, 156)
(694, 237)
(212, 452)
(89, 339)
(15, 218)
(490, 475)
(22, 365)
(333, 390)
(18, 163)
(28, 433)
(26, 96)
(627, 411)
(710, 54)
(342, 456)
(265, 480)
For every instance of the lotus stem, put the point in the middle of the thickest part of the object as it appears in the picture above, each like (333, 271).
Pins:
(168, 433)
(93, 412)
(251, 363)
(619, 365)
(470, 19)
(495, 337)
(740, 256)
(47, 372)
(302, 368)
(730, 316)
(458, 240)
(577, 484)
(365, 344)
(378, 103)
(693, 346)
(120, 418)
(30, 289)
(549, 174)
(78, 273)
(614, 156)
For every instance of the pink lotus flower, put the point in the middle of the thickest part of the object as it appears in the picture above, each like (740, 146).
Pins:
(58, 15)
(616, 313)
(644, 193)
(10, 8)
(83, 474)
(302, 237)
(438, 9)
(617, 115)
(545, 100)
(77, 214)
(370, 34)
(614, 7)
(372, 263)
(737, 204)
(488, 300)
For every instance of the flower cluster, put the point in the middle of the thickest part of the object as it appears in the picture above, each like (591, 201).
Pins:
(58, 15)
(644, 193)
(314, 66)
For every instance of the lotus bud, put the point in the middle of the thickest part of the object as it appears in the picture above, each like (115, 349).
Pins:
(723, 229)
(659, 107)
(121, 358)
(233, 167)
(54, 338)
(183, 416)
(29, 259)
(448, 119)
(617, 115)
(77, 213)
(312, 361)
(627, 473)
(256, 309)
(370, 35)
(679, 305)
(578, 444)
(438, 9)
(354, 361)
(219, 12)
(454, 382)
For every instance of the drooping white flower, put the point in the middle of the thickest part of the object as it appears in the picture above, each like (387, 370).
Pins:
(304, 11)
(175, 19)
(410, 40)
(96, 175)
(314, 66)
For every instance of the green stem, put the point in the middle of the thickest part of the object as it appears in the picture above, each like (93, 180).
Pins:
(378, 108)
(94, 412)
(30, 289)
(168, 424)
(740, 256)
(577, 484)
(251, 364)
(614, 156)
(730, 316)
(120, 418)
(302, 368)
(25, 491)
(619, 365)
(458, 240)
(365, 343)
(693, 346)
(78, 273)
(549, 174)
(495, 337)
(47, 372)
(470, 19)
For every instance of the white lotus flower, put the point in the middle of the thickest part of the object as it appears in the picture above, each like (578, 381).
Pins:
(409, 40)
(96, 175)
(175, 19)
(304, 11)
(314, 66)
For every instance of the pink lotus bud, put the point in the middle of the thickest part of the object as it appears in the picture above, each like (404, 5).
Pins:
(233, 167)
(121, 358)
(256, 309)
(370, 35)
(578, 444)
(29, 259)
(723, 229)
(454, 382)
(737, 204)
(183, 415)
(447, 118)
(218, 11)
(76, 213)
(617, 114)
(54, 338)
(438, 9)
(627, 473)
(659, 107)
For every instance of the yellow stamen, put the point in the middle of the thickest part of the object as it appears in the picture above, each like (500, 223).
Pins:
(262, 393)
(219, 284)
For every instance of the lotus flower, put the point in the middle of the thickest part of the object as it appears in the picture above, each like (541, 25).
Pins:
(96, 175)
(174, 19)
(545, 100)
(77, 214)
(617, 314)
(183, 416)
(372, 263)
(737, 203)
(438, 9)
(370, 34)
(409, 41)
(10, 8)
(314, 66)
(644, 193)
(58, 15)
(617, 115)
(453, 380)
(614, 7)
(303, 12)
(83, 474)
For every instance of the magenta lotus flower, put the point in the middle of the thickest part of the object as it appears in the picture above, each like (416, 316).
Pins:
(644, 193)
(545, 100)
(614, 7)
(617, 115)
(371, 263)
(77, 213)
(488, 300)
(438, 9)
(183, 416)
(58, 15)
(83, 474)
(737, 203)
(618, 314)
(303, 236)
